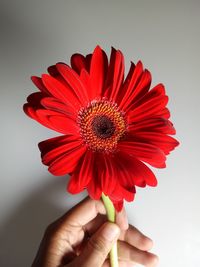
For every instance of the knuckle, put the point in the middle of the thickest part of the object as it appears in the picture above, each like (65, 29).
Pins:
(51, 231)
(97, 245)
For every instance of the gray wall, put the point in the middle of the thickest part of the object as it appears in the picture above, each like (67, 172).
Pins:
(36, 34)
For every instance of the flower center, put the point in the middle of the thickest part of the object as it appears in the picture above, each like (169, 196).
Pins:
(101, 125)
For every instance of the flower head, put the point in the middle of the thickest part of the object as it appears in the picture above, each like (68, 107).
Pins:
(111, 127)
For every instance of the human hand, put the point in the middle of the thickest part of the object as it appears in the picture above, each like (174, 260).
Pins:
(83, 237)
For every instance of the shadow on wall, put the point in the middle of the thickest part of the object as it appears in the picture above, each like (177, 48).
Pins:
(22, 232)
(24, 39)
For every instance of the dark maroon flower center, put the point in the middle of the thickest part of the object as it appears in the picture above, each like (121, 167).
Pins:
(103, 126)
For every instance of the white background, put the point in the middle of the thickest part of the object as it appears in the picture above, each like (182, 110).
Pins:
(165, 35)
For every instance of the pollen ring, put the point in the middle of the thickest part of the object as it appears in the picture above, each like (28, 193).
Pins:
(102, 125)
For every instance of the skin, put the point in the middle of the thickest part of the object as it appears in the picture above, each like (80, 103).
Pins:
(82, 237)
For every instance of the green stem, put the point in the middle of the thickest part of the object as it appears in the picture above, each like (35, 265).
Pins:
(110, 210)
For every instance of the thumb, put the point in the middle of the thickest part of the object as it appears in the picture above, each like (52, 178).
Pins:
(98, 246)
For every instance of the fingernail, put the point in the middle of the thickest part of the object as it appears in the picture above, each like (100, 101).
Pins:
(110, 231)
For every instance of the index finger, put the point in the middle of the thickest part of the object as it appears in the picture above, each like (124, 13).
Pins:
(84, 212)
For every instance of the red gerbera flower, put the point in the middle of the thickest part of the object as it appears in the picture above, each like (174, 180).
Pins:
(111, 126)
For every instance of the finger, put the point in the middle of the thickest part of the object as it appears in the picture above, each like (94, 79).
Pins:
(121, 263)
(132, 255)
(83, 212)
(69, 227)
(137, 239)
(98, 246)
(122, 220)
(89, 230)
(91, 227)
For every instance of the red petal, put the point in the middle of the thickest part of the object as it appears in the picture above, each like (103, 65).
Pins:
(34, 99)
(126, 194)
(150, 108)
(118, 205)
(68, 162)
(108, 174)
(94, 190)
(164, 113)
(82, 175)
(162, 141)
(88, 59)
(85, 78)
(58, 122)
(140, 89)
(157, 91)
(98, 68)
(55, 142)
(141, 173)
(111, 67)
(154, 124)
(111, 182)
(64, 124)
(136, 76)
(73, 186)
(73, 80)
(129, 75)
(127, 173)
(125, 85)
(33, 104)
(136, 172)
(53, 71)
(60, 150)
(145, 152)
(78, 62)
(94, 186)
(56, 105)
(117, 75)
(39, 84)
(61, 92)
(31, 112)
(123, 168)
(119, 194)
